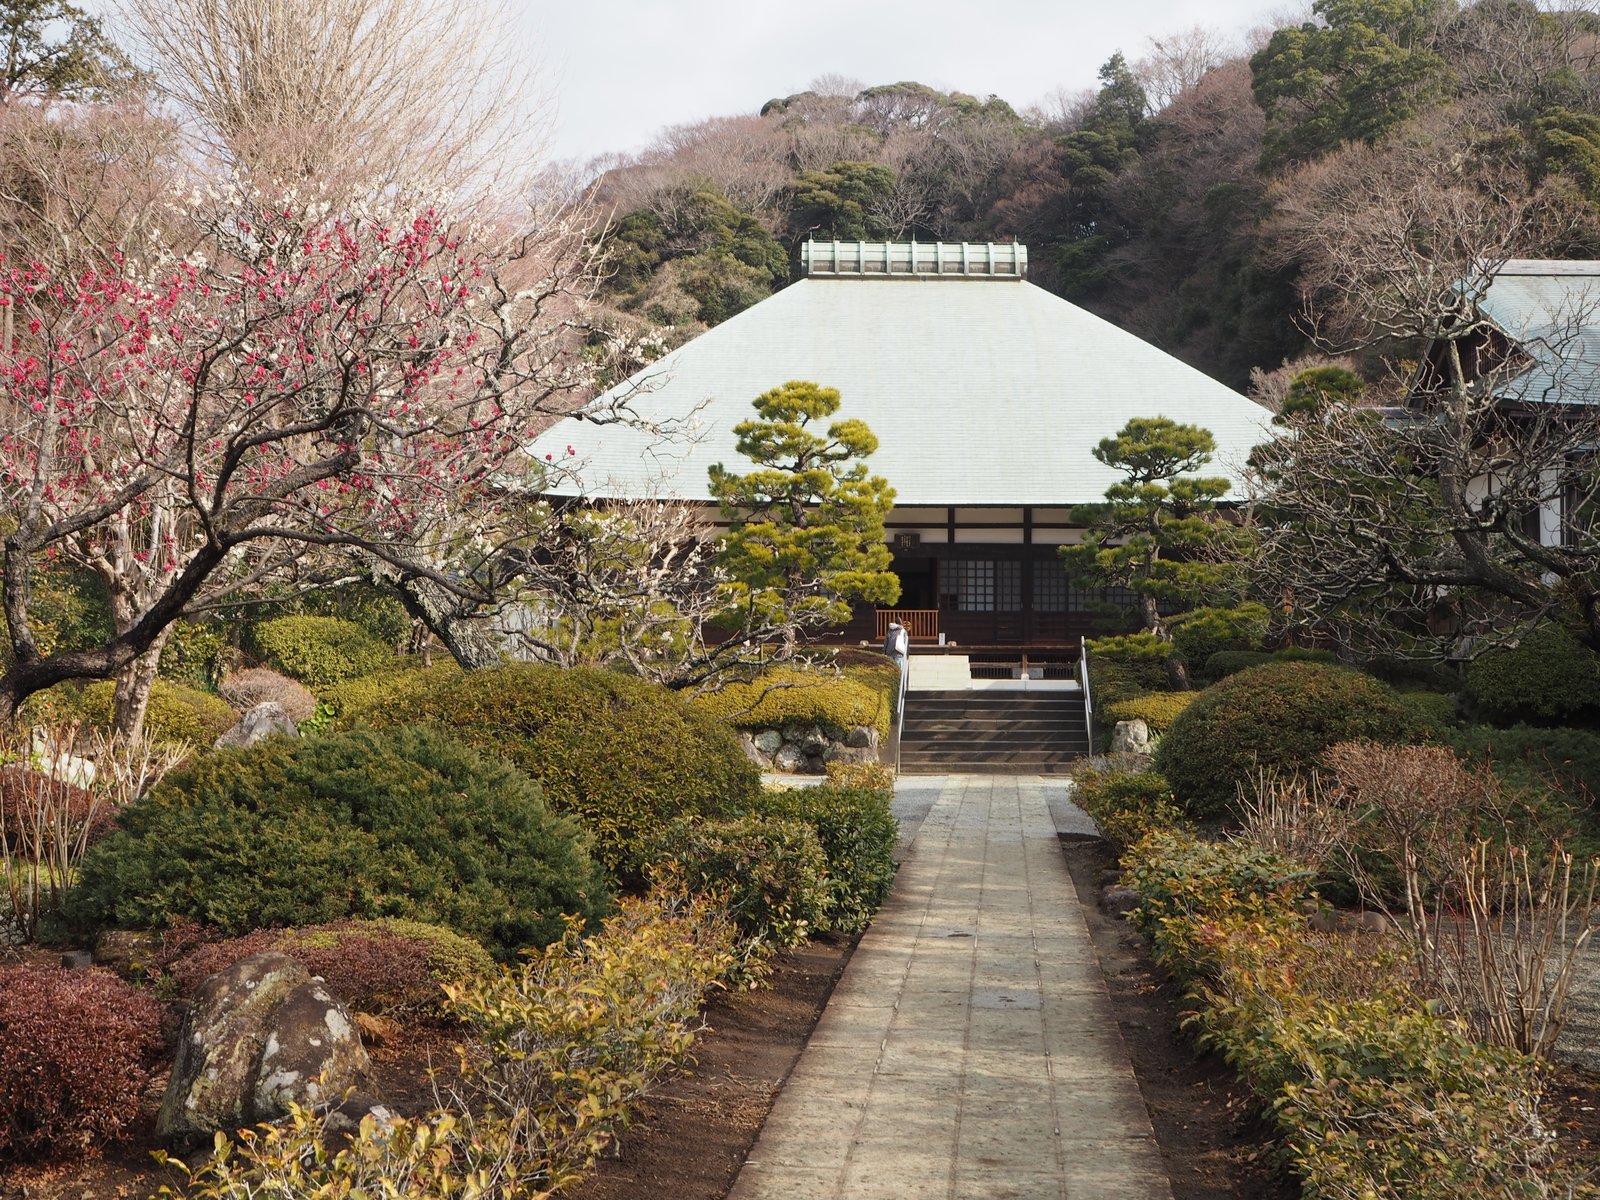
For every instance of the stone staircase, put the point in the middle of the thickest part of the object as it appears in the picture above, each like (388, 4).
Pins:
(994, 731)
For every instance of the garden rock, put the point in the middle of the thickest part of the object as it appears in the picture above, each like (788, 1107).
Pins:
(769, 741)
(790, 758)
(861, 737)
(312, 1052)
(1131, 737)
(1119, 901)
(128, 952)
(243, 1041)
(258, 724)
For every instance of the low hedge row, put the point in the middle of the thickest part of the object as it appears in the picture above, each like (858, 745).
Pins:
(318, 651)
(793, 696)
(176, 713)
(856, 830)
(1125, 805)
(1158, 710)
(1373, 1094)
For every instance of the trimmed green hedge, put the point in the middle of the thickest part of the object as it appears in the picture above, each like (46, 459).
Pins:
(1126, 805)
(1158, 710)
(625, 756)
(357, 700)
(1281, 715)
(319, 651)
(176, 713)
(1202, 632)
(792, 696)
(1549, 678)
(404, 823)
(856, 829)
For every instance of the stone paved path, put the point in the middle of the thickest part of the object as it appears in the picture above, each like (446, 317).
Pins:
(969, 1052)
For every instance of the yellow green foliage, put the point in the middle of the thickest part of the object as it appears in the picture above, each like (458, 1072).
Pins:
(561, 1049)
(1126, 805)
(356, 699)
(1156, 709)
(870, 776)
(319, 651)
(176, 713)
(1374, 1094)
(794, 696)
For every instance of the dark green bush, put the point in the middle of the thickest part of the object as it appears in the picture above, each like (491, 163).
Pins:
(1230, 662)
(319, 651)
(857, 831)
(1524, 755)
(770, 872)
(624, 756)
(1281, 715)
(1549, 678)
(176, 713)
(1434, 713)
(1206, 631)
(402, 823)
(191, 653)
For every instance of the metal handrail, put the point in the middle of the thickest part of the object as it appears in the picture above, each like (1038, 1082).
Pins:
(1088, 697)
(900, 718)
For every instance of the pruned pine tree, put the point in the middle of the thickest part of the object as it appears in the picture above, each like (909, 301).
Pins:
(807, 525)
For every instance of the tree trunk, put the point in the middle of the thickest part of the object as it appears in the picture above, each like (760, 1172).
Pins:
(468, 637)
(132, 696)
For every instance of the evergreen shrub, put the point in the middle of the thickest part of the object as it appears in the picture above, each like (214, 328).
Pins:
(176, 713)
(857, 831)
(1280, 715)
(1529, 755)
(77, 1050)
(1126, 806)
(1549, 678)
(790, 696)
(769, 873)
(1206, 631)
(319, 651)
(384, 694)
(399, 823)
(623, 755)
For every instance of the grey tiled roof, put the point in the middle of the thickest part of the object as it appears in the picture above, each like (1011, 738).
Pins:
(1551, 308)
(981, 392)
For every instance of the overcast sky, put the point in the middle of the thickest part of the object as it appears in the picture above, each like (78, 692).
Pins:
(620, 70)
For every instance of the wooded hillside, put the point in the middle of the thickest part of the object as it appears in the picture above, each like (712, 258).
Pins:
(1201, 197)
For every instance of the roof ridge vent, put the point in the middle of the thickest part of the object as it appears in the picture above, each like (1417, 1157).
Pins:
(914, 260)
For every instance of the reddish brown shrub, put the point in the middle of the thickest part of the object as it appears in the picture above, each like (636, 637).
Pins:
(259, 685)
(76, 1052)
(31, 800)
(382, 966)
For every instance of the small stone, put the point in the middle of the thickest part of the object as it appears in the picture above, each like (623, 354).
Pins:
(789, 759)
(1119, 901)
(861, 736)
(769, 741)
(258, 724)
(1131, 737)
(77, 960)
(127, 951)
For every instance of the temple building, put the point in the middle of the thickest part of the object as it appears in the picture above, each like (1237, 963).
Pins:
(987, 394)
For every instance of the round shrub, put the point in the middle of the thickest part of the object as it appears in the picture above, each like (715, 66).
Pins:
(357, 700)
(1549, 678)
(623, 755)
(1126, 806)
(176, 713)
(856, 828)
(770, 872)
(1158, 710)
(794, 697)
(1206, 631)
(1230, 662)
(319, 651)
(1281, 715)
(262, 685)
(400, 823)
(386, 966)
(77, 1049)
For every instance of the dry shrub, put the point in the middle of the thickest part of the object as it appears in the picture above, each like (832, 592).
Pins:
(262, 685)
(1289, 814)
(76, 1053)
